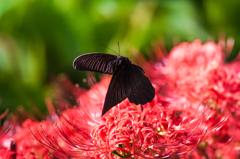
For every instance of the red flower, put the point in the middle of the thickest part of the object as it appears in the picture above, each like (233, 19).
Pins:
(5, 153)
(195, 91)
(125, 131)
(27, 145)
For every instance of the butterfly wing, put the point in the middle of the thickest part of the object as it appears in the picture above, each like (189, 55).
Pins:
(97, 62)
(128, 82)
(116, 92)
(138, 87)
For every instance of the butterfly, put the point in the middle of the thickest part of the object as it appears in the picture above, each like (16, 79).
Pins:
(128, 80)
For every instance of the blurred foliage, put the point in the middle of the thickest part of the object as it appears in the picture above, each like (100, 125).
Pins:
(39, 38)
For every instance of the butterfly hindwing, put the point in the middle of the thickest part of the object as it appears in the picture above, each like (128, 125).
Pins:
(128, 82)
(97, 62)
(138, 87)
(116, 92)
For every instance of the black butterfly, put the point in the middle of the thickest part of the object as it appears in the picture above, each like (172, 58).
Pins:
(128, 80)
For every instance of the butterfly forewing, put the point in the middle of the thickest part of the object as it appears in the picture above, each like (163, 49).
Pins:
(97, 62)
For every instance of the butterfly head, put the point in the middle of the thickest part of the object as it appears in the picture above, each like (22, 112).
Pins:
(122, 60)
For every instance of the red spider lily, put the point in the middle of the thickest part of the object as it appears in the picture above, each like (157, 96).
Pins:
(27, 146)
(224, 87)
(125, 131)
(5, 153)
(189, 117)
(224, 92)
(160, 130)
(197, 73)
(187, 67)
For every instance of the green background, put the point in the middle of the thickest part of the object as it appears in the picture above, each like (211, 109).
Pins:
(40, 38)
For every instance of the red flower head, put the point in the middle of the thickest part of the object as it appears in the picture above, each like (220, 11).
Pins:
(126, 131)
(188, 114)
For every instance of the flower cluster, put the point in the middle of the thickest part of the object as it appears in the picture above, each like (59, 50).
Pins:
(196, 74)
(195, 113)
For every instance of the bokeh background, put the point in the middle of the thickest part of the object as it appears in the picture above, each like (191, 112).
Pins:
(39, 39)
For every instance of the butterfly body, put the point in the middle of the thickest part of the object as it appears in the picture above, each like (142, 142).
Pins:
(120, 61)
(128, 80)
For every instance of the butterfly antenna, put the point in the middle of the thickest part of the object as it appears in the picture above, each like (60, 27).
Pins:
(109, 48)
(118, 48)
